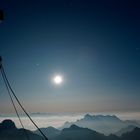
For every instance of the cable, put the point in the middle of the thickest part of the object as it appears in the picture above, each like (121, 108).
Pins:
(21, 104)
(26, 134)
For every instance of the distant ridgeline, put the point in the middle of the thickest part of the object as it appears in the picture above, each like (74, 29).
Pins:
(8, 131)
(104, 124)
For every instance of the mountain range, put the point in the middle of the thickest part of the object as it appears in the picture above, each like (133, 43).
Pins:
(8, 131)
(105, 124)
(78, 133)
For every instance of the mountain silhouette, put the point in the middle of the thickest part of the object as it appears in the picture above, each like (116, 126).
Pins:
(105, 124)
(8, 131)
(101, 117)
(77, 133)
(7, 125)
(50, 132)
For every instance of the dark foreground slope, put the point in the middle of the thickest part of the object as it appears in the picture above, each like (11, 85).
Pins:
(8, 131)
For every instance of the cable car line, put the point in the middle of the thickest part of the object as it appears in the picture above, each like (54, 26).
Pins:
(9, 88)
(24, 130)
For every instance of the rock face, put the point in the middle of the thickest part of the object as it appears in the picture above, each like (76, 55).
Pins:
(8, 131)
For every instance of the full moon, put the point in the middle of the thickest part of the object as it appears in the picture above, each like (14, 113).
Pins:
(58, 79)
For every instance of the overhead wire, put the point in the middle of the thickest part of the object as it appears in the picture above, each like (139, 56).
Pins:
(13, 93)
(24, 130)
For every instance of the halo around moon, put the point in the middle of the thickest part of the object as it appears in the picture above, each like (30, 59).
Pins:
(58, 79)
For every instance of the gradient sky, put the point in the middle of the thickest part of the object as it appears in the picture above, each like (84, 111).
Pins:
(94, 45)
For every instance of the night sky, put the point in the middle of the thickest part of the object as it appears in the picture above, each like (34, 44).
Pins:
(94, 45)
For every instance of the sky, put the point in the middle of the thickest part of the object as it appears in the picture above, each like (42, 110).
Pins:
(93, 45)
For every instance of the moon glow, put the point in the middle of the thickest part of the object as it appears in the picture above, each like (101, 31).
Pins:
(58, 79)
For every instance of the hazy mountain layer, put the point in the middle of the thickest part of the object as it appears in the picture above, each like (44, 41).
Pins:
(103, 124)
(129, 128)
